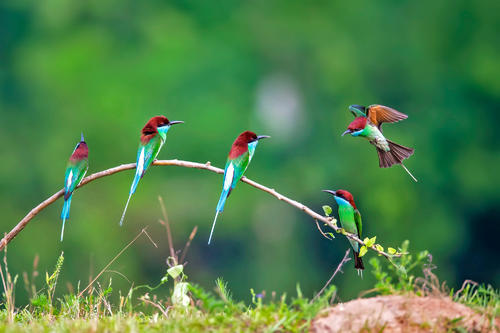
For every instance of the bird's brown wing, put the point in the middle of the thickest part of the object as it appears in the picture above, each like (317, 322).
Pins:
(379, 114)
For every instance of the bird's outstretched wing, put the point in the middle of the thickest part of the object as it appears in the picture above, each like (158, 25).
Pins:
(356, 112)
(357, 219)
(379, 114)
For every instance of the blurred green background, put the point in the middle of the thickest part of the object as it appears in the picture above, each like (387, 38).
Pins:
(288, 69)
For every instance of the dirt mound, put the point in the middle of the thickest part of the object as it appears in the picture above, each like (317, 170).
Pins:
(401, 314)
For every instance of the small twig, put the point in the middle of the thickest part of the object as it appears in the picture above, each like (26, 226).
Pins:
(143, 231)
(321, 231)
(186, 247)
(338, 269)
(152, 241)
(119, 273)
(158, 306)
(466, 282)
(167, 227)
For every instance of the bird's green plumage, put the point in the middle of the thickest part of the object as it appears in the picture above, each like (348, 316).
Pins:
(237, 163)
(151, 150)
(346, 216)
(350, 219)
(357, 219)
(76, 170)
(240, 165)
(148, 150)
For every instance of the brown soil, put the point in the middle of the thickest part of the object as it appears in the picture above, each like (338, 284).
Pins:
(401, 314)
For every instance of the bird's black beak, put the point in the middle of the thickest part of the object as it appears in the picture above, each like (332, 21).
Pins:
(263, 137)
(330, 191)
(356, 107)
(173, 122)
(346, 132)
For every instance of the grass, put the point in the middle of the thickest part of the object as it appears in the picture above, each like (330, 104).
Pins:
(188, 308)
(203, 311)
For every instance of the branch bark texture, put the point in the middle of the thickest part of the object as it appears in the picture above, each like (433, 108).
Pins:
(331, 222)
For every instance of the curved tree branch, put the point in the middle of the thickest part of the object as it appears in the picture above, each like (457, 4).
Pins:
(331, 222)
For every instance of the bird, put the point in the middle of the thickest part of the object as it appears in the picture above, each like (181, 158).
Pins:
(368, 124)
(153, 136)
(350, 219)
(76, 169)
(239, 158)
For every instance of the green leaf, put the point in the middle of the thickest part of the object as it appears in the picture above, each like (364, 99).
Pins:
(379, 247)
(327, 210)
(362, 251)
(370, 241)
(175, 271)
(330, 234)
(391, 250)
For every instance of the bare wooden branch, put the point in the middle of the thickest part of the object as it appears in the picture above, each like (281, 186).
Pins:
(186, 164)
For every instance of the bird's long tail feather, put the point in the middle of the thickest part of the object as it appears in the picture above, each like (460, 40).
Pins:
(219, 209)
(135, 182)
(396, 154)
(133, 187)
(408, 171)
(65, 214)
(125, 210)
(222, 200)
(213, 227)
(62, 229)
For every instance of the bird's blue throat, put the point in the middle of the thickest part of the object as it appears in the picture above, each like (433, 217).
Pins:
(163, 131)
(342, 202)
(358, 133)
(251, 148)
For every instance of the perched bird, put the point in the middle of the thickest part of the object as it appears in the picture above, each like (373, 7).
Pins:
(368, 124)
(240, 155)
(350, 219)
(153, 136)
(76, 169)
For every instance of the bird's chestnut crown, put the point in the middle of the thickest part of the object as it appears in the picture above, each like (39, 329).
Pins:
(248, 137)
(240, 145)
(357, 124)
(346, 196)
(152, 125)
